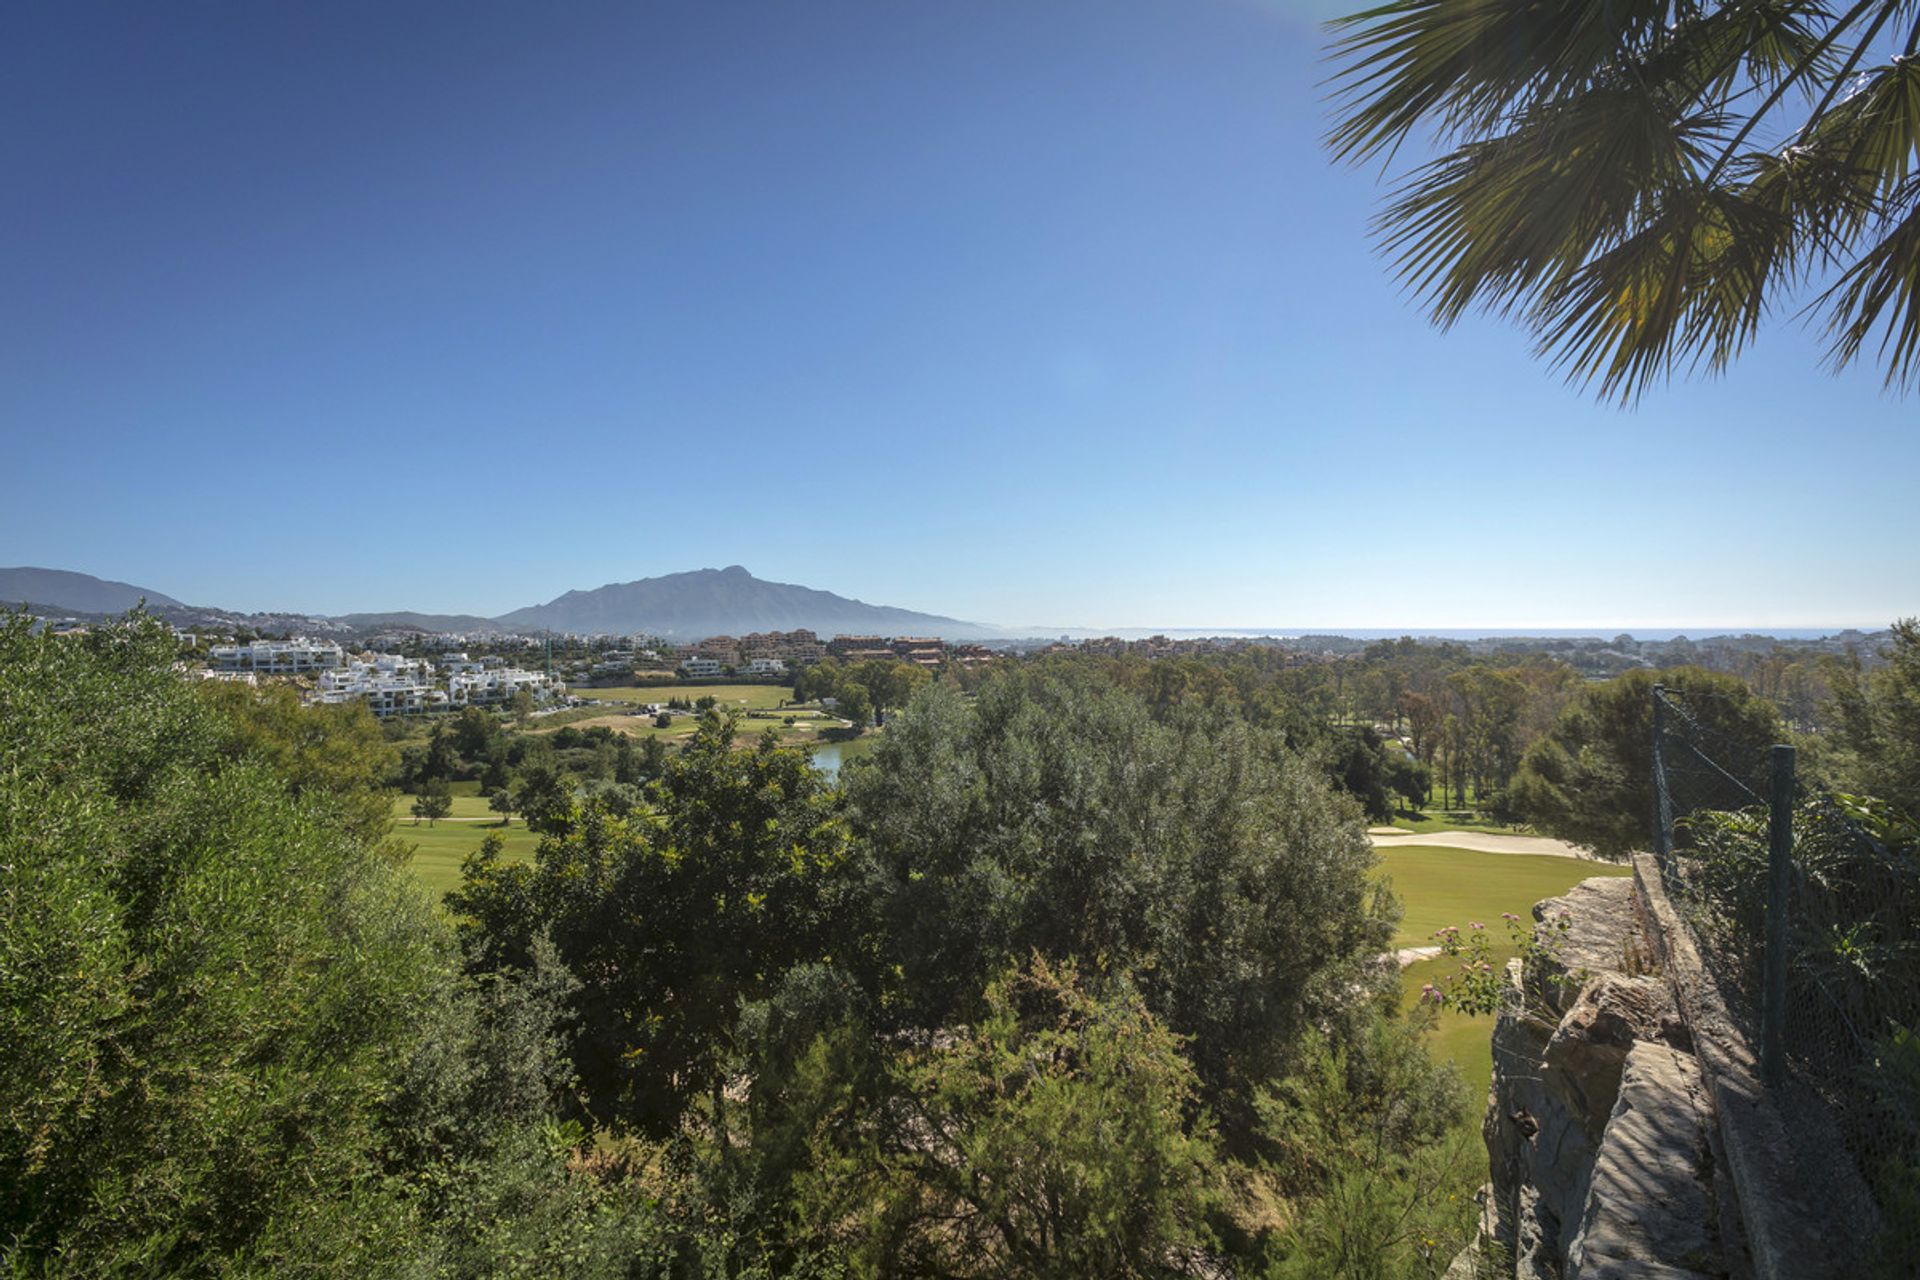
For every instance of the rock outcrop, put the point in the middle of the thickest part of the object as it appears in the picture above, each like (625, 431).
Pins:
(1598, 1128)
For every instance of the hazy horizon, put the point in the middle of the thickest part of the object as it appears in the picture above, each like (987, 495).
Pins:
(1660, 630)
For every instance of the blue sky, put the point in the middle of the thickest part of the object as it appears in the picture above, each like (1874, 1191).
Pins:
(1031, 313)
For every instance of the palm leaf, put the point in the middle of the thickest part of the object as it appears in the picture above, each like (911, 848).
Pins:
(1882, 291)
(1608, 177)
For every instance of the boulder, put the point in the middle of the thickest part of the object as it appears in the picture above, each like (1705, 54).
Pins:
(1603, 928)
(1582, 1061)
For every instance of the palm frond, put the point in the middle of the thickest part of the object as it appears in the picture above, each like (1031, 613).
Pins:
(1624, 175)
(1754, 42)
(1499, 220)
(1462, 64)
(1615, 320)
(1882, 292)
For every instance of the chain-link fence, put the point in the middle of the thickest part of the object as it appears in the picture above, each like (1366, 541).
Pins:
(1806, 903)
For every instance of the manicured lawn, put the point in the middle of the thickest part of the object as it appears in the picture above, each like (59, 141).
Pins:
(1439, 886)
(439, 850)
(741, 697)
(1466, 1042)
(1432, 820)
(467, 804)
(747, 699)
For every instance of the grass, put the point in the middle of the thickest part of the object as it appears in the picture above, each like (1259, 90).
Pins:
(615, 703)
(439, 850)
(1431, 820)
(1439, 886)
(741, 697)
(467, 804)
(1465, 1041)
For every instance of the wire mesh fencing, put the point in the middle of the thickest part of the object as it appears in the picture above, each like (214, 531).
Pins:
(1806, 904)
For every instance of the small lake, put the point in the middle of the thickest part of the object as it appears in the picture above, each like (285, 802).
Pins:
(829, 756)
(826, 758)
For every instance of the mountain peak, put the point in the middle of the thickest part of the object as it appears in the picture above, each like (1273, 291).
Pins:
(729, 601)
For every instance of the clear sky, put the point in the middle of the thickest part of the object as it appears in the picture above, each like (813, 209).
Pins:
(1023, 311)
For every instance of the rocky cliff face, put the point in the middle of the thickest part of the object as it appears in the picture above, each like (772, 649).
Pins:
(1598, 1128)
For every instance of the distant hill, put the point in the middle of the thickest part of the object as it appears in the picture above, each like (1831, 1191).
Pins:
(405, 620)
(730, 601)
(79, 592)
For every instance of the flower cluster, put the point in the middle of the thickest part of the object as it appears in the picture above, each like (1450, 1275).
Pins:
(1479, 985)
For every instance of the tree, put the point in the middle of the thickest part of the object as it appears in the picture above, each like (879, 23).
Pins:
(435, 801)
(820, 680)
(522, 706)
(1360, 767)
(335, 752)
(1424, 718)
(475, 733)
(1491, 702)
(653, 760)
(178, 910)
(739, 875)
(1877, 723)
(542, 797)
(442, 758)
(1056, 817)
(1410, 778)
(854, 705)
(1054, 1137)
(1590, 780)
(506, 802)
(1358, 1139)
(1638, 183)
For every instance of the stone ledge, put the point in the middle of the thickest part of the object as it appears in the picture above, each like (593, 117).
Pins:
(1803, 1207)
(1650, 1204)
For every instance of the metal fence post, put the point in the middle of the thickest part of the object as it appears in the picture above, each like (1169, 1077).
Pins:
(1662, 819)
(1773, 994)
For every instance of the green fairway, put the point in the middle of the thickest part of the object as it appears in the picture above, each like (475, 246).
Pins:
(441, 847)
(1465, 1041)
(740, 697)
(757, 704)
(467, 805)
(439, 850)
(1450, 820)
(1439, 886)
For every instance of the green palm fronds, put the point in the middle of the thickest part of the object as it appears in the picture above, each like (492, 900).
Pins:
(1640, 181)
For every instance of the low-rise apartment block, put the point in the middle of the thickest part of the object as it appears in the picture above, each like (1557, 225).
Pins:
(499, 685)
(277, 657)
(386, 693)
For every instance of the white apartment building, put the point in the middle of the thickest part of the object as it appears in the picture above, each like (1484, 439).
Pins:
(396, 666)
(278, 657)
(497, 685)
(385, 693)
(700, 666)
(766, 667)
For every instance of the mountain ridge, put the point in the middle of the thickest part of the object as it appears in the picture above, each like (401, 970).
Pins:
(706, 602)
(80, 592)
(682, 606)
